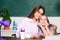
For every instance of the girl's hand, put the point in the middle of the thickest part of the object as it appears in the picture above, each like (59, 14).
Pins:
(35, 36)
(40, 24)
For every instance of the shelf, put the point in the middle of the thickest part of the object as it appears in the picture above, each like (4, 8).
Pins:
(7, 33)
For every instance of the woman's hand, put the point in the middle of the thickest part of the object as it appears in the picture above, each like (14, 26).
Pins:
(35, 36)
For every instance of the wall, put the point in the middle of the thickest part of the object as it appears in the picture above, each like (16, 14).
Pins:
(24, 7)
(53, 20)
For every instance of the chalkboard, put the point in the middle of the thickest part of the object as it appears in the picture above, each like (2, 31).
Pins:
(24, 7)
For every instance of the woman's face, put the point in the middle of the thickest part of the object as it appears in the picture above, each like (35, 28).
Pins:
(36, 15)
(43, 20)
(41, 11)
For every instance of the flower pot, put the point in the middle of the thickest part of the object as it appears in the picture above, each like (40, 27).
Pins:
(7, 28)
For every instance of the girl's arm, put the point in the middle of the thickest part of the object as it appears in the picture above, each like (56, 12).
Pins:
(44, 31)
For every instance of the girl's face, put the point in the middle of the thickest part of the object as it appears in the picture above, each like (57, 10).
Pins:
(36, 15)
(43, 20)
(41, 11)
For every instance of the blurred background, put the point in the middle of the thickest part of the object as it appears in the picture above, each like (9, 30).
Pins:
(16, 10)
(24, 7)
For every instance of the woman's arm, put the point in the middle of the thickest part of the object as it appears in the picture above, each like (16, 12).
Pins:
(52, 30)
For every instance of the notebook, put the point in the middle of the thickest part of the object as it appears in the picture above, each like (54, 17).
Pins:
(52, 37)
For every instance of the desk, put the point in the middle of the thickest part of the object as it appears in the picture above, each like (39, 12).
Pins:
(53, 37)
(49, 37)
(30, 39)
(13, 38)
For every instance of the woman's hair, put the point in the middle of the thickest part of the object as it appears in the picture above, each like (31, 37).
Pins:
(36, 9)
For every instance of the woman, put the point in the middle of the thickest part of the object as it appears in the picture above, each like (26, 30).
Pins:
(45, 28)
(41, 10)
(30, 24)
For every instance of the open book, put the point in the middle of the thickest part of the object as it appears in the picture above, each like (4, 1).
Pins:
(52, 37)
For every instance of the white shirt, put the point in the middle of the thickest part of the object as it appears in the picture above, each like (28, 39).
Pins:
(29, 26)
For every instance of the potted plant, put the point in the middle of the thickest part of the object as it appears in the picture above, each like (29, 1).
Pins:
(6, 16)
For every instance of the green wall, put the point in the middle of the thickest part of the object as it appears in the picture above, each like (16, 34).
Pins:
(24, 7)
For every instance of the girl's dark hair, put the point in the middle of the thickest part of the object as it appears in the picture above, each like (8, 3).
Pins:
(36, 9)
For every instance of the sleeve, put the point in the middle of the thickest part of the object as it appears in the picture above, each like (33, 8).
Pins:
(40, 32)
(19, 28)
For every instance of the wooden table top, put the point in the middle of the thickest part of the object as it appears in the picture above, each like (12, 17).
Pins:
(13, 38)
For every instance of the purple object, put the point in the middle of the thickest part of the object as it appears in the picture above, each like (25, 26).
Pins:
(22, 30)
(2, 38)
(5, 23)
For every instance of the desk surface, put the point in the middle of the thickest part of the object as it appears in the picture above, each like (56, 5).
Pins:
(53, 37)
(29, 39)
(12, 38)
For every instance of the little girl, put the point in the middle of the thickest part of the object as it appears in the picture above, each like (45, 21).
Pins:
(45, 28)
